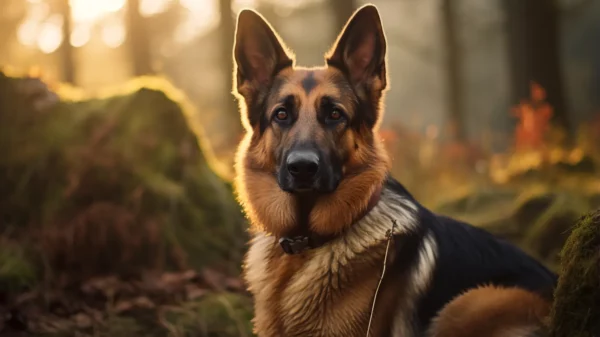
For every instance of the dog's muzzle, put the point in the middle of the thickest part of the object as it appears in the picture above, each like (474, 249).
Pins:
(306, 169)
(303, 167)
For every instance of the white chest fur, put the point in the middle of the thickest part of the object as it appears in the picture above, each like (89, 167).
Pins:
(328, 291)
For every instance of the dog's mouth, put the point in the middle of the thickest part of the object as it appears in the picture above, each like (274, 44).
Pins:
(303, 188)
(320, 185)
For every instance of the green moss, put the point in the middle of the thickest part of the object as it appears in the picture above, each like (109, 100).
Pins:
(116, 182)
(218, 314)
(576, 311)
(16, 270)
(117, 326)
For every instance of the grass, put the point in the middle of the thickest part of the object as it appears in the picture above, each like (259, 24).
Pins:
(218, 314)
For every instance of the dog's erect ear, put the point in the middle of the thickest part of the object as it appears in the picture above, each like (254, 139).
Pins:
(360, 49)
(259, 55)
(258, 52)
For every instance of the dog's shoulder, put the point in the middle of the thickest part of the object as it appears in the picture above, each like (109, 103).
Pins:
(467, 257)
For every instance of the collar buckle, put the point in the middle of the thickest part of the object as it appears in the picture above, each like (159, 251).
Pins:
(295, 245)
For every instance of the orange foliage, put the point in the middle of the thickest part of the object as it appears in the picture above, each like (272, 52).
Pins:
(462, 152)
(429, 148)
(534, 120)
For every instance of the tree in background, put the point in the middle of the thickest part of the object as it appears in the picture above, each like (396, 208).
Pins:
(342, 10)
(138, 39)
(66, 49)
(453, 69)
(534, 55)
(226, 31)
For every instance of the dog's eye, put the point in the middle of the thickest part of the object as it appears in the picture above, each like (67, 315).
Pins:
(281, 114)
(335, 114)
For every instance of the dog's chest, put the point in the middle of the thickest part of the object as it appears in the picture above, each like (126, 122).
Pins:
(325, 292)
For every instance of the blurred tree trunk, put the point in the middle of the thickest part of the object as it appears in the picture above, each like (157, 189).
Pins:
(227, 31)
(138, 39)
(66, 50)
(534, 55)
(453, 69)
(342, 11)
(11, 16)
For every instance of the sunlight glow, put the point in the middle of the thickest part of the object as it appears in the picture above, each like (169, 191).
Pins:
(80, 35)
(202, 16)
(113, 33)
(38, 10)
(207, 6)
(27, 32)
(51, 35)
(37, 29)
(185, 32)
(93, 10)
(237, 5)
(153, 7)
(290, 5)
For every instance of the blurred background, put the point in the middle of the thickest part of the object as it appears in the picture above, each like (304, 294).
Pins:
(118, 129)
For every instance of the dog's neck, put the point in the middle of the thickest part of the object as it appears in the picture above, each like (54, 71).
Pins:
(301, 238)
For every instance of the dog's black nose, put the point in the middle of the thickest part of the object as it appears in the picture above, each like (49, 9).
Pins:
(303, 164)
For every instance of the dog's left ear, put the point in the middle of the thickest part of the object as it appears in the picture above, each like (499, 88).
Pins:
(360, 49)
(259, 55)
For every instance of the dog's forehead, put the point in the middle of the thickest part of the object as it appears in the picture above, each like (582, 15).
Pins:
(308, 84)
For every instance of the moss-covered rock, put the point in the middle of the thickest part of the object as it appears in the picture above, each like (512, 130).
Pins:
(100, 196)
(537, 217)
(576, 311)
(112, 183)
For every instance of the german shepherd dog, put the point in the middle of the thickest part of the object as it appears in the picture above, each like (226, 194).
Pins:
(313, 179)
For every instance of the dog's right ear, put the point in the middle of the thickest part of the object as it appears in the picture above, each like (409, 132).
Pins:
(259, 55)
(360, 50)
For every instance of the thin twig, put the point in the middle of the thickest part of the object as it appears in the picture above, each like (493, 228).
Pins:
(389, 235)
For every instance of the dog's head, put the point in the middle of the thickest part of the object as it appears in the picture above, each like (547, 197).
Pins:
(311, 131)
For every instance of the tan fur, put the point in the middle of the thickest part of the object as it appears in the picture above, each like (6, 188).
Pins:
(367, 163)
(273, 210)
(492, 312)
(329, 291)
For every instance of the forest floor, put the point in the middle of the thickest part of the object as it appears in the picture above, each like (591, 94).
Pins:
(184, 303)
(115, 224)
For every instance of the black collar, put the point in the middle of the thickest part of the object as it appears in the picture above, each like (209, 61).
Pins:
(300, 243)
(305, 239)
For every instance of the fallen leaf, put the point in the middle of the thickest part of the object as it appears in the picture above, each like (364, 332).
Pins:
(235, 284)
(213, 279)
(193, 292)
(143, 302)
(82, 321)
